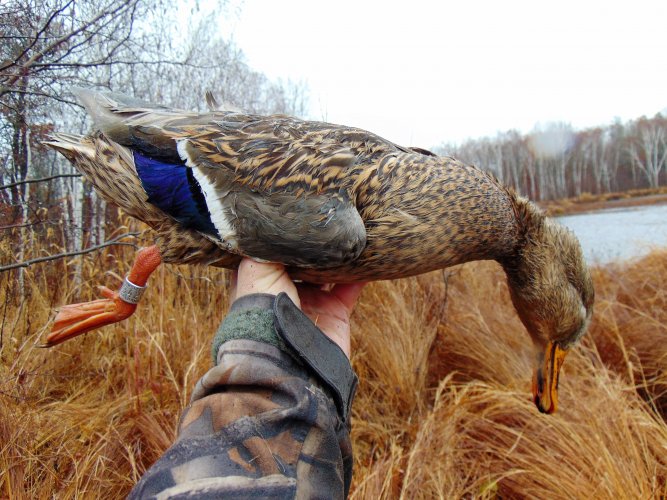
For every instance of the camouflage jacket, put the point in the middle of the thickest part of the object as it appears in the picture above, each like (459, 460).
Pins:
(269, 420)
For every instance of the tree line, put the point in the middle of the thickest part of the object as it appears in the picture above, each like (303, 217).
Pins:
(554, 161)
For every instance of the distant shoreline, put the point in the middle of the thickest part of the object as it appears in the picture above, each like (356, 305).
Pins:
(592, 203)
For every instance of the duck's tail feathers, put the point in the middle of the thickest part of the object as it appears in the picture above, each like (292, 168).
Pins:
(135, 123)
(215, 105)
(211, 101)
(70, 144)
(113, 113)
(81, 150)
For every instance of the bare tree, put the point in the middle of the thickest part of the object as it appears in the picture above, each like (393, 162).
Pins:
(211, 63)
(649, 149)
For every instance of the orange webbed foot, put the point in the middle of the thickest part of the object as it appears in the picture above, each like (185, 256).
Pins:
(75, 319)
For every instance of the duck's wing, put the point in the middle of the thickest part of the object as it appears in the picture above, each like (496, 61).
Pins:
(273, 188)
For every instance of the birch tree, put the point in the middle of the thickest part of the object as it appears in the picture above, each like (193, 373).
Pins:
(649, 149)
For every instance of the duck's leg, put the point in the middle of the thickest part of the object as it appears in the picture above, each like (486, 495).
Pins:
(75, 319)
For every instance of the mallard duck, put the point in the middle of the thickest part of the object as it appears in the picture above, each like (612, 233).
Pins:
(334, 204)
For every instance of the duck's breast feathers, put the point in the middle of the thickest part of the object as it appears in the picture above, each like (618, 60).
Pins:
(321, 231)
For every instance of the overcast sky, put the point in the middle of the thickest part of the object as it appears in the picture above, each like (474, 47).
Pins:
(425, 72)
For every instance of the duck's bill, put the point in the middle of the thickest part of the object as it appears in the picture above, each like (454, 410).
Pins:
(545, 378)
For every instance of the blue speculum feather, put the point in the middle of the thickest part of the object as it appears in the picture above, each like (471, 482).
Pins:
(172, 188)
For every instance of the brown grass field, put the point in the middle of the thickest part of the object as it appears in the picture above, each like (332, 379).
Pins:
(443, 409)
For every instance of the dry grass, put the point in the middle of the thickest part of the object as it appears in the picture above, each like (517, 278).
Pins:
(444, 404)
(474, 431)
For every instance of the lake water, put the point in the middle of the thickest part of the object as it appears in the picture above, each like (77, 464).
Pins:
(619, 234)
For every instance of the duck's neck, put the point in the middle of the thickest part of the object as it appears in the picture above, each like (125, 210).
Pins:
(436, 213)
(549, 280)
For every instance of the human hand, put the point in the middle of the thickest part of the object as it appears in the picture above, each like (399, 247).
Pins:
(329, 307)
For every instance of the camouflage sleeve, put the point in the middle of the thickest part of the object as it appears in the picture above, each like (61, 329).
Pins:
(269, 420)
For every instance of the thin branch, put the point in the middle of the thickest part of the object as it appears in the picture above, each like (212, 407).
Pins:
(115, 241)
(127, 63)
(43, 179)
(27, 224)
(41, 94)
(96, 30)
(6, 87)
(46, 25)
(54, 222)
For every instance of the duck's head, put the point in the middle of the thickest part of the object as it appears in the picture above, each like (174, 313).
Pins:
(552, 291)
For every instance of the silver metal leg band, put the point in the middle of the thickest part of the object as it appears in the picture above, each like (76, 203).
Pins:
(130, 292)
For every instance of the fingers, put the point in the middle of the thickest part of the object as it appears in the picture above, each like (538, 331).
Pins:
(264, 277)
(233, 280)
(338, 332)
(348, 294)
(333, 300)
(329, 307)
